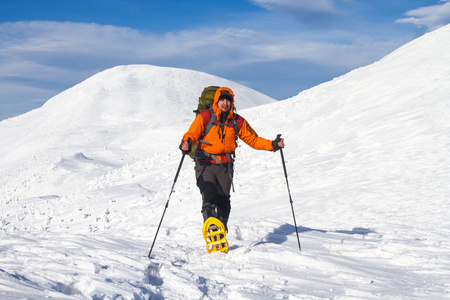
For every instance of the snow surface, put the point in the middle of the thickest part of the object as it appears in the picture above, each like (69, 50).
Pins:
(85, 178)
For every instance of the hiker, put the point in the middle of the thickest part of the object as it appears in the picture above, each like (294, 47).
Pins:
(215, 151)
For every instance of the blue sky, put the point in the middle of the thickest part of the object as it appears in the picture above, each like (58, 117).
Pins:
(278, 47)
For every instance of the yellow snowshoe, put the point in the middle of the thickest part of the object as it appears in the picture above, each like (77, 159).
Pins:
(214, 234)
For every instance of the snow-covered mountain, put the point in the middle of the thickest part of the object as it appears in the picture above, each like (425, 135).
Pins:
(138, 95)
(85, 178)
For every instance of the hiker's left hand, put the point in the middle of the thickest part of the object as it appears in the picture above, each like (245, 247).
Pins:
(278, 143)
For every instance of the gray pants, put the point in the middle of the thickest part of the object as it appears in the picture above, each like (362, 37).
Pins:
(214, 182)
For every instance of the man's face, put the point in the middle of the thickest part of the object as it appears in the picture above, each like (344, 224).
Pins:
(224, 104)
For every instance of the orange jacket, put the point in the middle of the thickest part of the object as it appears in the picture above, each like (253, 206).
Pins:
(222, 139)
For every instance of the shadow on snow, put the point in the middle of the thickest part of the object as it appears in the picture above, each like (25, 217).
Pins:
(280, 234)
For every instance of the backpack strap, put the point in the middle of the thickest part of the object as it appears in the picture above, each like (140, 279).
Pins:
(211, 121)
(237, 122)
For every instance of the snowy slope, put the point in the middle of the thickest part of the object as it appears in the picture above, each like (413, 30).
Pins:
(84, 181)
(124, 98)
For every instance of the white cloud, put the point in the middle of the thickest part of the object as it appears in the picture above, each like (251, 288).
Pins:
(432, 17)
(324, 6)
(52, 49)
(317, 13)
(53, 56)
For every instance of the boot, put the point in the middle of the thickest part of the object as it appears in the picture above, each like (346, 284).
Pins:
(208, 212)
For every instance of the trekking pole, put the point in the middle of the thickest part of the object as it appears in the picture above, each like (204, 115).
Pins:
(167, 204)
(289, 191)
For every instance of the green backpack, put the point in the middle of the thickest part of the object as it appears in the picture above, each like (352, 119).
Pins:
(206, 99)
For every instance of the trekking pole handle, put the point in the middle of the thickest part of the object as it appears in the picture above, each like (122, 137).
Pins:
(278, 137)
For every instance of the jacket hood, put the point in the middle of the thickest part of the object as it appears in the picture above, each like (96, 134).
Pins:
(217, 95)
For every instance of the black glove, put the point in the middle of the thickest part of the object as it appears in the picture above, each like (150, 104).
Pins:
(275, 143)
(189, 149)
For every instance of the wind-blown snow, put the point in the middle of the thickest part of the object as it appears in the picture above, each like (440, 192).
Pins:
(85, 178)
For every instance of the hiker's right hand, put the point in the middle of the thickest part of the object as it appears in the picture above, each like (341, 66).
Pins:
(186, 146)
